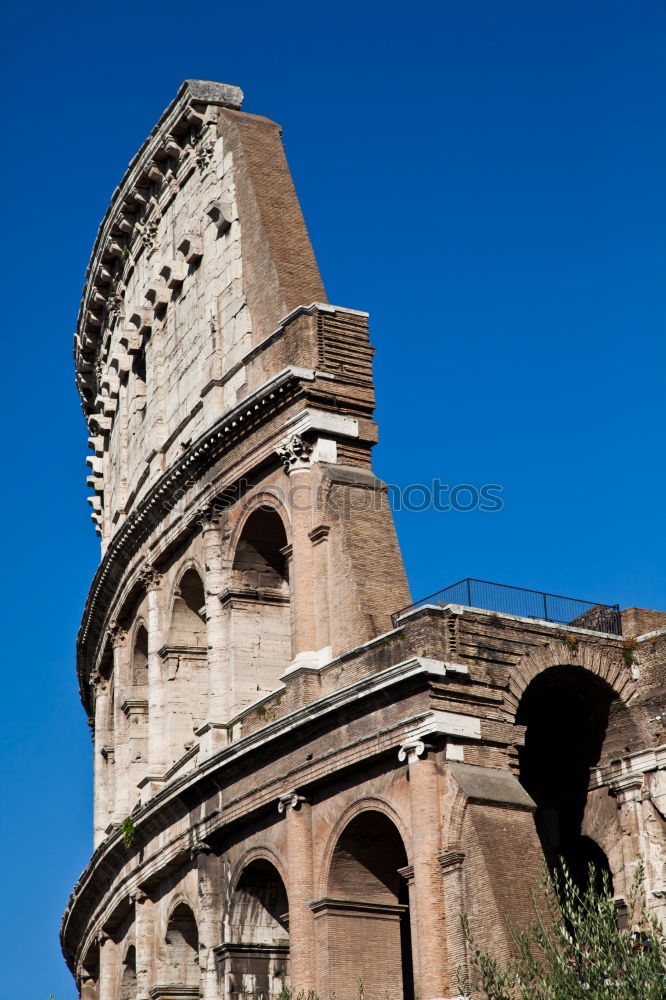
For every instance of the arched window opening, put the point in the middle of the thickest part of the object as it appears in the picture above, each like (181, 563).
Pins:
(181, 949)
(185, 657)
(188, 616)
(140, 658)
(367, 904)
(255, 958)
(259, 561)
(258, 607)
(128, 976)
(573, 721)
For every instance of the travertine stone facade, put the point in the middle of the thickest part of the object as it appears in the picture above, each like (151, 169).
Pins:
(288, 785)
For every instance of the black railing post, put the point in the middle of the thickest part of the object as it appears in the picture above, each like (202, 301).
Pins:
(469, 594)
(545, 606)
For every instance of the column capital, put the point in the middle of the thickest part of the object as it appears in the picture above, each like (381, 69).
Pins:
(117, 633)
(200, 847)
(98, 683)
(295, 452)
(150, 577)
(411, 748)
(290, 800)
(208, 516)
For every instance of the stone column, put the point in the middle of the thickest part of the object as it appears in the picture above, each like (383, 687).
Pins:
(425, 805)
(210, 520)
(209, 917)
(100, 686)
(300, 891)
(108, 972)
(121, 805)
(319, 538)
(152, 581)
(144, 930)
(295, 454)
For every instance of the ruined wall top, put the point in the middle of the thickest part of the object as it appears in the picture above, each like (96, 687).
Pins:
(202, 252)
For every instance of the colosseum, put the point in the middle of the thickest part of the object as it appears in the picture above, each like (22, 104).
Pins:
(302, 777)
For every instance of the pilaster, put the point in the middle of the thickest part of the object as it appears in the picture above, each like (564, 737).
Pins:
(210, 520)
(425, 805)
(108, 962)
(300, 890)
(101, 694)
(296, 455)
(209, 882)
(152, 581)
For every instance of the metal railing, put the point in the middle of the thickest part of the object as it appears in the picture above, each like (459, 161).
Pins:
(525, 604)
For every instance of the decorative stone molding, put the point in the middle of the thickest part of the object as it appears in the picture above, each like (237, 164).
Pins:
(134, 708)
(319, 534)
(451, 860)
(290, 800)
(295, 453)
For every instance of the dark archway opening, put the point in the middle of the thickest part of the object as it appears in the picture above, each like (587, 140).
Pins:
(256, 957)
(566, 711)
(259, 609)
(181, 948)
(368, 904)
(259, 560)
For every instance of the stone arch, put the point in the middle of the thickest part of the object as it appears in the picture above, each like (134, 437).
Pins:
(180, 947)
(258, 556)
(128, 974)
(574, 719)
(187, 626)
(255, 956)
(139, 648)
(257, 604)
(365, 909)
(185, 656)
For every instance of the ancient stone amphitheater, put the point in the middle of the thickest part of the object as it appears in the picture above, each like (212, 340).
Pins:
(300, 778)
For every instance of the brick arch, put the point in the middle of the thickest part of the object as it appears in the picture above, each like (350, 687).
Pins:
(258, 854)
(603, 662)
(242, 511)
(370, 804)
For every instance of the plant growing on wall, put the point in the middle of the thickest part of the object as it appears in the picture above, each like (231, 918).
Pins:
(128, 831)
(574, 949)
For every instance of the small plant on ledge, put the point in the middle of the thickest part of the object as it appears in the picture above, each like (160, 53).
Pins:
(128, 831)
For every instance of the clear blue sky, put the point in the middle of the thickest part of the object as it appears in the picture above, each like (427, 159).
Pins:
(486, 177)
